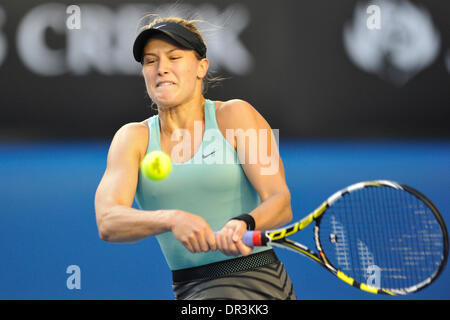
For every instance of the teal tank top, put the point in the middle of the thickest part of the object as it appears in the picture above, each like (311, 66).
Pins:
(212, 184)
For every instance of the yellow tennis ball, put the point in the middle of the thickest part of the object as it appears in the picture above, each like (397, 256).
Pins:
(156, 165)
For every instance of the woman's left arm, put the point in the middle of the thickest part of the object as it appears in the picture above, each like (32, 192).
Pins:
(258, 153)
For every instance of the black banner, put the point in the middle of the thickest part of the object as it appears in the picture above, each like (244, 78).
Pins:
(314, 69)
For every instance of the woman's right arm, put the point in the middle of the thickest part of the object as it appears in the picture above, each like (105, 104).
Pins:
(117, 221)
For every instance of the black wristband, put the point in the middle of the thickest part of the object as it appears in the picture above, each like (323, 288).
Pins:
(248, 219)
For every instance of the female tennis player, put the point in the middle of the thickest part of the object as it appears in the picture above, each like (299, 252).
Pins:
(217, 183)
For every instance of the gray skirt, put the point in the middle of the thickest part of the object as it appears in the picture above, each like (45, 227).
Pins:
(260, 276)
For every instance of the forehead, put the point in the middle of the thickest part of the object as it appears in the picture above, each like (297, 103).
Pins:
(160, 41)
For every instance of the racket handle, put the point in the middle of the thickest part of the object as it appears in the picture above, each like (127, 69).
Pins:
(253, 238)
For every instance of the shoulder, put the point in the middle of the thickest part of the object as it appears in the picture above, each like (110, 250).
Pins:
(132, 136)
(132, 130)
(231, 107)
(236, 112)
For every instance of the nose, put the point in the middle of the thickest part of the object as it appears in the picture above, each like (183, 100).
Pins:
(163, 66)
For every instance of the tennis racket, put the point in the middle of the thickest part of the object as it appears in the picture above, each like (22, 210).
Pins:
(378, 236)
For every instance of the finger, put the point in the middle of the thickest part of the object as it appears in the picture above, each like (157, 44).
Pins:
(195, 245)
(211, 240)
(188, 246)
(232, 249)
(220, 242)
(225, 244)
(243, 249)
(235, 237)
(239, 232)
(204, 246)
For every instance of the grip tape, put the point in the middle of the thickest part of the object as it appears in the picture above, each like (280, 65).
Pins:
(253, 239)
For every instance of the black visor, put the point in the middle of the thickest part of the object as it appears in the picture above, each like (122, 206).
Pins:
(181, 35)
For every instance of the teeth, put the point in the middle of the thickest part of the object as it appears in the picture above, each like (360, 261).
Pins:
(165, 84)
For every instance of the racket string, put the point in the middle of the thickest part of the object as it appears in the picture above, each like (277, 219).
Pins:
(393, 220)
(397, 220)
(383, 237)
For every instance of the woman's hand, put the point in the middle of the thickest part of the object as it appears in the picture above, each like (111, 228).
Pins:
(192, 231)
(229, 239)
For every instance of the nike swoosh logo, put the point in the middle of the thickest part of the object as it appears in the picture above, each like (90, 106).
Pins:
(207, 155)
(157, 27)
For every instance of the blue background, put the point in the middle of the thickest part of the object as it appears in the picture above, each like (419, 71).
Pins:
(47, 219)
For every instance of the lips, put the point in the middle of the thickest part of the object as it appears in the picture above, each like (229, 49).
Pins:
(164, 83)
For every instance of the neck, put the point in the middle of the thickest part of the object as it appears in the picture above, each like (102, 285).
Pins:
(181, 116)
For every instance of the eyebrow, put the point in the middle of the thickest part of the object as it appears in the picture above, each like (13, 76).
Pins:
(153, 54)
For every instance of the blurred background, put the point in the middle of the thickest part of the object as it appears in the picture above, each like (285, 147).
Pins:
(358, 90)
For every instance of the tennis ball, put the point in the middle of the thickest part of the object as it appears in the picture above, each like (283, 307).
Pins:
(156, 165)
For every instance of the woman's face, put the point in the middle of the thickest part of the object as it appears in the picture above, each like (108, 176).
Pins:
(172, 75)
